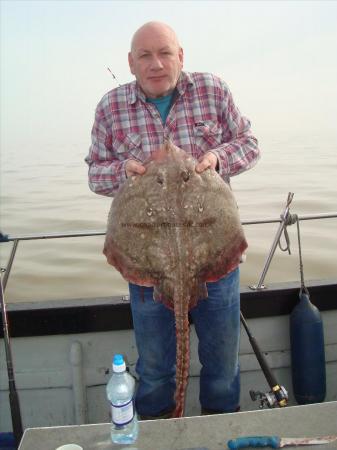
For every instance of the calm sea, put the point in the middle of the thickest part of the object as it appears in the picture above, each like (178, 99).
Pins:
(45, 190)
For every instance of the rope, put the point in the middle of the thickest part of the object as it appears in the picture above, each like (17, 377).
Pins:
(303, 287)
(291, 219)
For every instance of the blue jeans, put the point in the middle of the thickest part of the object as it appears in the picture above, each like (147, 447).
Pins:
(217, 324)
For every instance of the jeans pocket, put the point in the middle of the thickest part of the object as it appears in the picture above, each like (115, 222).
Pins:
(224, 293)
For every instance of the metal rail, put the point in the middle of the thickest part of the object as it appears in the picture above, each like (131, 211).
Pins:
(281, 220)
(284, 218)
(30, 237)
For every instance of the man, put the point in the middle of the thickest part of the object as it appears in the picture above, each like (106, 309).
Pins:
(196, 111)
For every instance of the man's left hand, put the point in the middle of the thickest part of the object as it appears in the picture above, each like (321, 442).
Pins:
(208, 161)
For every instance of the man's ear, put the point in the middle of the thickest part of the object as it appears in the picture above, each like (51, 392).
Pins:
(181, 56)
(130, 58)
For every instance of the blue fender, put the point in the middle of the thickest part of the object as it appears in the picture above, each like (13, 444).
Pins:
(307, 352)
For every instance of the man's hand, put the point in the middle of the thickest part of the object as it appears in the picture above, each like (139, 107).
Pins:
(133, 167)
(208, 161)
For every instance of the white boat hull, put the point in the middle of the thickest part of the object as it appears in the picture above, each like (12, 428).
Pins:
(61, 378)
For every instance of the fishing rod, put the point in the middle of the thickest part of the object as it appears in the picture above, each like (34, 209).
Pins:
(13, 394)
(278, 396)
(113, 76)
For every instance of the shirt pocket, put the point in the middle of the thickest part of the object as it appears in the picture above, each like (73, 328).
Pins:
(207, 135)
(128, 146)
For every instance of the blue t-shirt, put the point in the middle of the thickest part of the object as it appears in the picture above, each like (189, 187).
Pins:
(163, 104)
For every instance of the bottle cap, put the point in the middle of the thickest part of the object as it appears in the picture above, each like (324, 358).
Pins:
(118, 364)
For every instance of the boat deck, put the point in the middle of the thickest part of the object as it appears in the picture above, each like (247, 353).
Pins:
(197, 433)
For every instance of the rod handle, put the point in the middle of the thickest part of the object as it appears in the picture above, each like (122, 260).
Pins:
(16, 416)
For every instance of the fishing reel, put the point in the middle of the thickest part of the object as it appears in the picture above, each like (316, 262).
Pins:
(278, 396)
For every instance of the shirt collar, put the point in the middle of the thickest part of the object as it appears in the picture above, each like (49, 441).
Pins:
(135, 92)
(184, 81)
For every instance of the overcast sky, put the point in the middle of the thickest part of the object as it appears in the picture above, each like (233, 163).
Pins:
(278, 58)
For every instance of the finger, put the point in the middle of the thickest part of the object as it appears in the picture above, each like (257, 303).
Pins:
(134, 168)
(203, 165)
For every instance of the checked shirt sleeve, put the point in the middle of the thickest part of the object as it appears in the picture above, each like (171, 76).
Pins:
(106, 172)
(239, 151)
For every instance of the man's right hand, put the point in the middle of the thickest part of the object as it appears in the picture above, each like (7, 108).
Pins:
(133, 167)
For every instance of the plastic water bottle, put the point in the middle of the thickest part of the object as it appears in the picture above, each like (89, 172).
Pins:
(120, 392)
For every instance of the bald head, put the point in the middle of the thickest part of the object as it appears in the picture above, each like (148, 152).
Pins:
(156, 59)
(153, 29)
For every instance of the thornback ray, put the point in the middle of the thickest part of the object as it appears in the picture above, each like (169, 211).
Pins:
(175, 229)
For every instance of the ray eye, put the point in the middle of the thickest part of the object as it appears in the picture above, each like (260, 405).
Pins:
(160, 179)
(185, 175)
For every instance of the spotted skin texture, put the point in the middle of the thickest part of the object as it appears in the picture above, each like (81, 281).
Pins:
(175, 229)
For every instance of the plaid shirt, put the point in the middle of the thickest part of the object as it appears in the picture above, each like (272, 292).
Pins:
(203, 117)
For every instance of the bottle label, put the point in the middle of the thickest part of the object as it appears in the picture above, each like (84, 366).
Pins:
(122, 414)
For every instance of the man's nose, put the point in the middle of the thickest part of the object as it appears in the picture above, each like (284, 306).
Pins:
(156, 63)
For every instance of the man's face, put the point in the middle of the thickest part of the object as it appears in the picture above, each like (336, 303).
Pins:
(156, 61)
